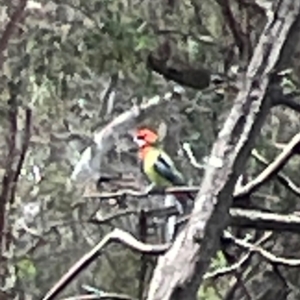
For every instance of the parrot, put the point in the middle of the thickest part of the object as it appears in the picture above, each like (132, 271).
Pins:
(158, 166)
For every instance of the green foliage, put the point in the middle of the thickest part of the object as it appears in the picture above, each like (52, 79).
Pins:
(207, 292)
(26, 269)
(72, 50)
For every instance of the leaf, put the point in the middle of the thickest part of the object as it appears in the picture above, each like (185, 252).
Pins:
(144, 42)
(26, 269)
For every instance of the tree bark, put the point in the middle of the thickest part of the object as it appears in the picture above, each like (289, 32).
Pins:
(179, 272)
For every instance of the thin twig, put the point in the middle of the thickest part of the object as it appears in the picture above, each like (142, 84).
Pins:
(10, 27)
(282, 178)
(227, 270)
(103, 296)
(270, 171)
(189, 152)
(239, 36)
(141, 194)
(9, 172)
(291, 262)
(24, 149)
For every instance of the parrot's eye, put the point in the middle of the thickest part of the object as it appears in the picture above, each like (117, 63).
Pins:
(141, 136)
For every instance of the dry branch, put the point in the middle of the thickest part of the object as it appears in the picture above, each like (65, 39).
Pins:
(180, 271)
(10, 27)
(242, 218)
(116, 235)
(141, 194)
(9, 172)
(241, 40)
(282, 178)
(272, 169)
(253, 219)
(234, 267)
(24, 148)
(103, 296)
(291, 262)
(127, 239)
(163, 212)
(89, 165)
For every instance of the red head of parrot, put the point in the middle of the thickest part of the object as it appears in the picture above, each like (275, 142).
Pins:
(145, 138)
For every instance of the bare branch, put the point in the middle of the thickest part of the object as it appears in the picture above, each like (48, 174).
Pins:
(106, 103)
(125, 238)
(103, 296)
(244, 218)
(10, 27)
(25, 144)
(253, 219)
(189, 152)
(227, 270)
(9, 172)
(282, 178)
(291, 262)
(89, 166)
(272, 169)
(239, 36)
(141, 194)
(117, 235)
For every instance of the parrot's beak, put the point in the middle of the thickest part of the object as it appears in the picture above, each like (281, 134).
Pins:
(139, 142)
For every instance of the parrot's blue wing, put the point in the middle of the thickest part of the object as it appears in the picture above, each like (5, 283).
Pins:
(165, 168)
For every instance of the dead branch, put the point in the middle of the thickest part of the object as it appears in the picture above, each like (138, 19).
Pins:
(228, 270)
(162, 212)
(291, 262)
(143, 222)
(125, 238)
(180, 271)
(10, 27)
(141, 194)
(242, 218)
(103, 296)
(188, 150)
(9, 172)
(118, 236)
(272, 169)
(24, 148)
(282, 178)
(106, 105)
(239, 36)
(89, 165)
(253, 219)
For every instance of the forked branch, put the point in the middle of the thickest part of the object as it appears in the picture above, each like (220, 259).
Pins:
(118, 236)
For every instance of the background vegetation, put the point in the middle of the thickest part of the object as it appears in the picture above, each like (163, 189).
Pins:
(72, 66)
